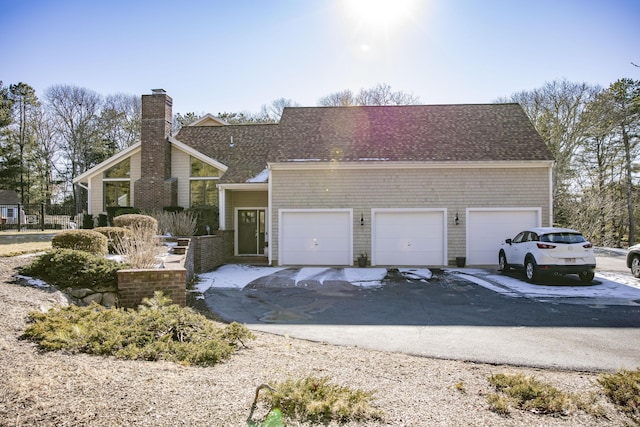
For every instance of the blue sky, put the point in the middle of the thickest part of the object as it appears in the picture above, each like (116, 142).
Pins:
(215, 56)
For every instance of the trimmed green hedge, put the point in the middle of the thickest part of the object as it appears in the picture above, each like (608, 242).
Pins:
(113, 235)
(81, 240)
(145, 222)
(70, 268)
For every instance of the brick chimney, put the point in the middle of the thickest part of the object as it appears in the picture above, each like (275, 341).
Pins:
(156, 188)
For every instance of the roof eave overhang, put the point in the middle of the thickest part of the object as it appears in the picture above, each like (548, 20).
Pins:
(381, 164)
(246, 186)
(84, 177)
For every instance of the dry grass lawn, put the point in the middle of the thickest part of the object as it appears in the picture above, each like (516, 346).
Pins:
(56, 389)
(16, 243)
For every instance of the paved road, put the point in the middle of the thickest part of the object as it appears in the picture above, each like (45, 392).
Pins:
(446, 317)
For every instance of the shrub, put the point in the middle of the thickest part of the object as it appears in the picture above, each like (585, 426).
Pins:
(143, 222)
(142, 250)
(81, 240)
(315, 400)
(527, 393)
(205, 216)
(70, 268)
(114, 211)
(102, 220)
(87, 221)
(157, 330)
(114, 235)
(623, 389)
(126, 210)
(177, 223)
(173, 209)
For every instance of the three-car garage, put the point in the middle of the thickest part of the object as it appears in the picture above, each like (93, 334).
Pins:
(399, 237)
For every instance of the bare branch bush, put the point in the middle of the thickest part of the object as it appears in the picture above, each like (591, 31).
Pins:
(182, 224)
(142, 250)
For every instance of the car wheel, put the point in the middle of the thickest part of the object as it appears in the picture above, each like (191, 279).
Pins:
(502, 261)
(531, 270)
(586, 276)
(635, 266)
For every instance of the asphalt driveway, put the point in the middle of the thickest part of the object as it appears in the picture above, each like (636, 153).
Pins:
(463, 314)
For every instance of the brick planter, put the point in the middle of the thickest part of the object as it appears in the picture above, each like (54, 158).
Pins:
(135, 285)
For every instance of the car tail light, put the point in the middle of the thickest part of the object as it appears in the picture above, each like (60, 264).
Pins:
(545, 246)
(587, 245)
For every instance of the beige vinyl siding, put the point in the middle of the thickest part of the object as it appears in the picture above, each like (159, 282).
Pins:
(96, 204)
(250, 199)
(453, 189)
(181, 169)
(136, 173)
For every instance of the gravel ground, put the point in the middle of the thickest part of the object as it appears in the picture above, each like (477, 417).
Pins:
(56, 389)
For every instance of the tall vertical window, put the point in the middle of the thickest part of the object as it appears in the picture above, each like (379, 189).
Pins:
(117, 184)
(202, 184)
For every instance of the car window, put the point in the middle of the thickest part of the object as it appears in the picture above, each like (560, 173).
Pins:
(563, 238)
(519, 237)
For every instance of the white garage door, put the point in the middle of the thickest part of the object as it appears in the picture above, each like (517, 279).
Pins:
(488, 228)
(315, 237)
(409, 237)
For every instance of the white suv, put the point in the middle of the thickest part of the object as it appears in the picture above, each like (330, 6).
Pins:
(548, 250)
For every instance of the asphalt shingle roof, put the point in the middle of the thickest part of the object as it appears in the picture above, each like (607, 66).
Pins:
(418, 133)
(9, 197)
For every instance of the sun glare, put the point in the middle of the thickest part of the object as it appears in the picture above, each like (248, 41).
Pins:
(381, 14)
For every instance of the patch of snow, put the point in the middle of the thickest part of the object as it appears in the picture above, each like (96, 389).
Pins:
(611, 285)
(416, 273)
(232, 276)
(33, 282)
(261, 177)
(365, 277)
(316, 273)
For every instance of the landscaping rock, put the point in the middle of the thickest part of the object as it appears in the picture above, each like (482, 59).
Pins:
(79, 292)
(97, 298)
(109, 299)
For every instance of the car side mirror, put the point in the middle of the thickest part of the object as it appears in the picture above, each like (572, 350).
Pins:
(508, 241)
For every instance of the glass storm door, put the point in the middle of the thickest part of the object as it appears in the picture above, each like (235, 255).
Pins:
(251, 231)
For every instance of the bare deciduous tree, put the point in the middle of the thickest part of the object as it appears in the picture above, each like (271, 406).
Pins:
(121, 118)
(343, 98)
(383, 95)
(271, 113)
(76, 111)
(377, 95)
(555, 110)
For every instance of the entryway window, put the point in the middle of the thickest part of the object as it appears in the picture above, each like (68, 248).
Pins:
(117, 184)
(202, 185)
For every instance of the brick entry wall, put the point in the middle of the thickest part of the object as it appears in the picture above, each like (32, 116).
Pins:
(212, 251)
(135, 285)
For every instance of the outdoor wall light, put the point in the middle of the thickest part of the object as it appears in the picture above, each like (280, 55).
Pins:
(361, 219)
(456, 221)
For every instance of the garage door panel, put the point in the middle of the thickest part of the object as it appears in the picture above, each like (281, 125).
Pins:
(488, 229)
(316, 238)
(409, 238)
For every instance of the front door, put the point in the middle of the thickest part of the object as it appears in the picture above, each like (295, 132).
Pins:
(251, 231)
